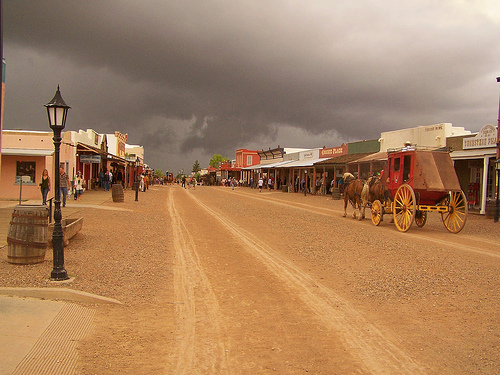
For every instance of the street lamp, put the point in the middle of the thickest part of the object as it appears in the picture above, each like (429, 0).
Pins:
(497, 168)
(57, 111)
(495, 218)
(137, 163)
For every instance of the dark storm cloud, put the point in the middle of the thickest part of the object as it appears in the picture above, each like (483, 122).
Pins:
(228, 73)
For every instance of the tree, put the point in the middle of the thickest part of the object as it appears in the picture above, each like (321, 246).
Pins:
(196, 167)
(216, 160)
(158, 173)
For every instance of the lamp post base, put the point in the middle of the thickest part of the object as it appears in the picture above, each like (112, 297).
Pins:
(59, 275)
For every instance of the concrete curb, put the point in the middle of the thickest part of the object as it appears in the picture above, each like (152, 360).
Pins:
(58, 294)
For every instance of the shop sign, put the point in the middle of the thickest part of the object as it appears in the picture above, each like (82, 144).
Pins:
(90, 159)
(332, 151)
(487, 137)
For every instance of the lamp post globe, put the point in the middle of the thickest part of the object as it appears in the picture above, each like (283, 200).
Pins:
(57, 111)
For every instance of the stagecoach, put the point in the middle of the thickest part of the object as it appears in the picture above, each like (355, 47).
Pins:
(419, 181)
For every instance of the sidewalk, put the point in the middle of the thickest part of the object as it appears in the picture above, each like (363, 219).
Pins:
(40, 327)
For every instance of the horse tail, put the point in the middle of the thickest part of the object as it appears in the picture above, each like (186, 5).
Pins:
(365, 193)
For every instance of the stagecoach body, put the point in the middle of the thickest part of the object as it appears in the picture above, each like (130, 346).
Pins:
(419, 181)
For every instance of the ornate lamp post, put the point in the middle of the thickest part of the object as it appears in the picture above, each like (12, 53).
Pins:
(137, 163)
(57, 111)
(497, 163)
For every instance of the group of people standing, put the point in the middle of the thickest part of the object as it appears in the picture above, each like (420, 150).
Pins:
(64, 185)
(106, 179)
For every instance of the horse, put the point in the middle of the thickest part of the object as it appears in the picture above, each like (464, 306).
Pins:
(377, 190)
(356, 192)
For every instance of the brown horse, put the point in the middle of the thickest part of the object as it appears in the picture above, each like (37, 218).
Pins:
(355, 192)
(377, 190)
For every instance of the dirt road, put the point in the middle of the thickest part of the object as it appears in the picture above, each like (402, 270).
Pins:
(225, 281)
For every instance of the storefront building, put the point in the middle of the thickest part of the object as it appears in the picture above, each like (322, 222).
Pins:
(474, 157)
(24, 156)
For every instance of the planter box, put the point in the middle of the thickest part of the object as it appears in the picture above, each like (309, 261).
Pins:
(70, 227)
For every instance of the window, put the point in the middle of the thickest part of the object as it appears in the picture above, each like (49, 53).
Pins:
(249, 159)
(25, 170)
(406, 167)
(397, 164)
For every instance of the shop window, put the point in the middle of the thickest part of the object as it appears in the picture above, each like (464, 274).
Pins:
(25, 170)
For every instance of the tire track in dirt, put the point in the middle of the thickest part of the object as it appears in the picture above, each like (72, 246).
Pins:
(377, 351)
(197, 309)
(460, 242)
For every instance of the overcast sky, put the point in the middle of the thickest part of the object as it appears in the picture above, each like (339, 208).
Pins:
(191, 78)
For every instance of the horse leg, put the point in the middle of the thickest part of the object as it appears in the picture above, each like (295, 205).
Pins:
(345, 207)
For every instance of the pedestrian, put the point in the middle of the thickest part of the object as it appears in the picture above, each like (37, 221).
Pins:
(141, 183)
(78, 185)
(45, 186)
(251, 182)
(270, 183)
(110, 181)
(261, 183)
(101, 179)
(63, 185)
(119, 177)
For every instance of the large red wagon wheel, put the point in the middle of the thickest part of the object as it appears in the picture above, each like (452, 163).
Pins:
(454, 219)
(404, 207)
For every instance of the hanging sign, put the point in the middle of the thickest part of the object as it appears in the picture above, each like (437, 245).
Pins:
(90, 159)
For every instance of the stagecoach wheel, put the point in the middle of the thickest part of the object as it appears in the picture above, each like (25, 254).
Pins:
(454, 219)
(420, 218)
(377, 212)
(404, 207)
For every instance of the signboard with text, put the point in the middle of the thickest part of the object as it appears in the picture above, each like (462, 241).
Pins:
(90, 159)
(332, 152)
(487, 137)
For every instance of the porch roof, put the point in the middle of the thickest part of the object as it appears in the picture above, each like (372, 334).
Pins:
(27, 151)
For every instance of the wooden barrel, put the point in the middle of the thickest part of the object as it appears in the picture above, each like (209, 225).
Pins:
(335, 193)
(491, 206)
(117, 193)
(28, 234)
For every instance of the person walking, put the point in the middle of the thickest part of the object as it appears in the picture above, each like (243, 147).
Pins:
(63, 185)
(45, 186)
(261, 183)
(78, 185)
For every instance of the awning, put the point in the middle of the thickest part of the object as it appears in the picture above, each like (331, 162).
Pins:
(276, 165)
(377, 156)
(86, 147)
(27, 152)
(267, 166)
(340, 160)
(473, 154)
(303, 163)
